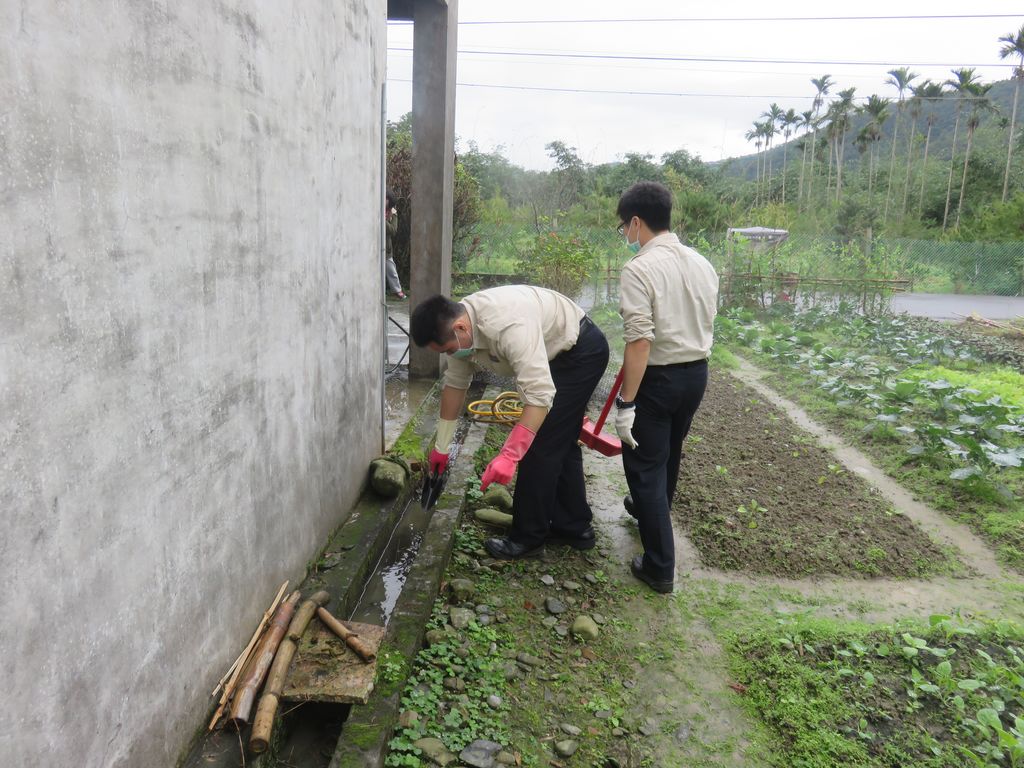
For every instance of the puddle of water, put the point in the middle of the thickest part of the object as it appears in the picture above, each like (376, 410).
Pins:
(380, 595)
(401, 399)
(383, 588)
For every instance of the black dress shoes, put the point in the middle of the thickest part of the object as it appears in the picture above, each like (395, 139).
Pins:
(627, 502)
(585, 540)
(637, 567)
(506, 549)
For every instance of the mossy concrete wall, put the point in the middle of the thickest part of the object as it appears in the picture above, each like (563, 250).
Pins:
(190, 345)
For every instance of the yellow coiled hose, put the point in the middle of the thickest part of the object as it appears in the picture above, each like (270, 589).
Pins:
(506, 408)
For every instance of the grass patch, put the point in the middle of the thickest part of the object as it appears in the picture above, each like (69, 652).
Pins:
(948, 694)
(989, 381)
(723, 358)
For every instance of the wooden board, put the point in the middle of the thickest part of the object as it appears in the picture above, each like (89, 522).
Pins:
(325, 669)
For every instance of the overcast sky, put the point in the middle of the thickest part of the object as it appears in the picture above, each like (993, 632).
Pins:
(715, 102)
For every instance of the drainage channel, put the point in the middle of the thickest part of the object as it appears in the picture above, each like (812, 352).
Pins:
(309, 732)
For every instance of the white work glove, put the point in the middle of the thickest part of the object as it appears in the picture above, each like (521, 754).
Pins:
(444, 434)
(438, 460)
(624, 425)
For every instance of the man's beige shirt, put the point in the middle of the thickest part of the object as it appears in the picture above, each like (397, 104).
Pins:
(669, 296)
(517, 329)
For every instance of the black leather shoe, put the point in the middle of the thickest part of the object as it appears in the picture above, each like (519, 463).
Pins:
(585, 540)
(506, 549)
(627, 502)
(637, 567)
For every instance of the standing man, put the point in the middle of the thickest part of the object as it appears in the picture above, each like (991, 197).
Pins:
(669, 297)
(390, 233)
(557, 356)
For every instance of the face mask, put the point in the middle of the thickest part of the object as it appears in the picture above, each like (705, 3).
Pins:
(461, 353)
(633, 247)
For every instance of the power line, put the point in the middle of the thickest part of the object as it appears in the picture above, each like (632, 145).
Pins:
(756, 71)
(677, 94)
(718, 59)
(732, 19)
(612, 92)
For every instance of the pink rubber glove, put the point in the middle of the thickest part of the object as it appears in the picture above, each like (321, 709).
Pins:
(437, 462)
(503, 466)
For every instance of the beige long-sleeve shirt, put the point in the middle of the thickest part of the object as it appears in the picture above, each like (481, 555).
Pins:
(517, 330)
(669, 296)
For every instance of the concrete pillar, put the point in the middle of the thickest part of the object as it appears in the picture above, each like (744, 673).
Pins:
(435, 27)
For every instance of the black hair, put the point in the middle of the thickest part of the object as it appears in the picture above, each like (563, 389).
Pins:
(650, 201)
(390, 197)
(431, 321)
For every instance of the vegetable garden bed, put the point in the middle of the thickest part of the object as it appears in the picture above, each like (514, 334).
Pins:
(949, 694)
(756, 493)
(885, 384)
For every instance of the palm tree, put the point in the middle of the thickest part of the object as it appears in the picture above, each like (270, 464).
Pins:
(823, 85)
(915, 104)
(754, 135)
(1013, 46)
(965, 78)
(843, 108)
(771, 119)
(900, 78)
(930, 94)
(863, 142)
(806, 122)
(767, 130)
(787, 121)
(877, 110)
(980, 103)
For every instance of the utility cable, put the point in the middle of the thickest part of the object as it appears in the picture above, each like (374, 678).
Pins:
(679, 94)
(715, 59)
(733, 19)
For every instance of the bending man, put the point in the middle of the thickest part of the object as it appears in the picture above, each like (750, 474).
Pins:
(557, 356)
(668, 300)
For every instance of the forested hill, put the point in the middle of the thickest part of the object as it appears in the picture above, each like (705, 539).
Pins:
(944, 110)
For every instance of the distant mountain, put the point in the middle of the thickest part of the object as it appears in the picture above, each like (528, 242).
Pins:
(942, 132)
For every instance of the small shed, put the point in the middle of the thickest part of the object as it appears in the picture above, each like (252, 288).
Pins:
(747, 269)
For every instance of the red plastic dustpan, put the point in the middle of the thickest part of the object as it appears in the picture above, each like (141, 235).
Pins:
(591, 436)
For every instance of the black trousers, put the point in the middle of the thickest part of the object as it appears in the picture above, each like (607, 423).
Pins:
(668, 397)
(550, 494)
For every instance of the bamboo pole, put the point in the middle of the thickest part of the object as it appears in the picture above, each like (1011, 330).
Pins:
(256, 669)
(263, 724)
(351, 639)
(232, 675)
(244, 655)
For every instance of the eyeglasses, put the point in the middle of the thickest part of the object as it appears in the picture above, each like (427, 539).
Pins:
(621, 229)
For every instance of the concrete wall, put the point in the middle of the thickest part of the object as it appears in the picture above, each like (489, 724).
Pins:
(190, 345)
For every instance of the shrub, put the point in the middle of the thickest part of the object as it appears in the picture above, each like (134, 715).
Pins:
(559, 262)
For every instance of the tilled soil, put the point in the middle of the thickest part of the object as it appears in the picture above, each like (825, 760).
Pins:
(757, 494)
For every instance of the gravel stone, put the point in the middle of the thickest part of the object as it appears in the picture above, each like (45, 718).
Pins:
(480, 754)
(566, 748)
(585, 627)
(554, 606)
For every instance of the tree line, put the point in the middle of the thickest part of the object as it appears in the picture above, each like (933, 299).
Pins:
(930, 163)
(835, 122)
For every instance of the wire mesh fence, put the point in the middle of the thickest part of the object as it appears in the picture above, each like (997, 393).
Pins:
(498, 253)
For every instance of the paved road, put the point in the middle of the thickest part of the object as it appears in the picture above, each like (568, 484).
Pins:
(942, 306)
